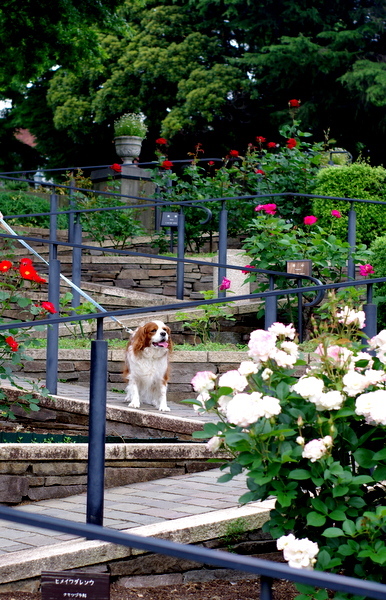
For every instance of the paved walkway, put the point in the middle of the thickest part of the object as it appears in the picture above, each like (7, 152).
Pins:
(131, 505)
(128, 506)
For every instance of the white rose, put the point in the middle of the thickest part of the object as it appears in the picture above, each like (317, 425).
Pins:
(354, 383)
(332, 400)
(372, 406)
(214, 443)
(361, 356)
(269, 406)
(378, 340)
(203, 380)
(234, 380)
(247, 367)
(243, 409)
(308, 387)
(266, 374)
(314, 450)
(281, 329)
(299, 553)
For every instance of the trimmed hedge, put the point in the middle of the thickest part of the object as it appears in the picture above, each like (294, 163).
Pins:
(359, 180)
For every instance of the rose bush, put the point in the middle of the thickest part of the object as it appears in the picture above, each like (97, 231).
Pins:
(314, 442)
(15, 342)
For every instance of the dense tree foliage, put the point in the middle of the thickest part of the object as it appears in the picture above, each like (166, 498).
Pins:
(218, 72)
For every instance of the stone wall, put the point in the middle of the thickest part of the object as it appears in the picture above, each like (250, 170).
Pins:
(74, 367)
(144, 274)
(32, 472)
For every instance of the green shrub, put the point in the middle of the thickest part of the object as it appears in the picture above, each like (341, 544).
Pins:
(378, 261)
(359, 180)
(20, 203)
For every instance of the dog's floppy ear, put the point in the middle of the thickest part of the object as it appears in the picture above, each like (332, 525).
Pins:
(139, 340)
(168, 330)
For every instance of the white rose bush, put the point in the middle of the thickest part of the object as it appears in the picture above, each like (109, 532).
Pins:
(315, 440)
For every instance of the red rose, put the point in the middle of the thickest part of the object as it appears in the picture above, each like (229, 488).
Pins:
(161, 141)
(259, 172)
(27, 272)
(294, 103)
(116, 167)
(5, 265)
(49, 307)
(12, 343)
(310, 220)
(291, 143)
(271, 145)
(26, 262)
(260, 139)
(167, 164)
(234, 153)
(246, 267)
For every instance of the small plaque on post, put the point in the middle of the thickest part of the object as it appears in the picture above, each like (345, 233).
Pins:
(64, 585)
(169, 219)
(299, 267)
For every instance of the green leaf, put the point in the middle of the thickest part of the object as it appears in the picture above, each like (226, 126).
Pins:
(323, 559)
(315, 519)
(349, 527)
(364, 458)
(319, 505)
(339, 490)
(333, 532)
(299, 474)
(225, 478)
(379, 473)
(362, 479)
(381, 455)
(337, 515)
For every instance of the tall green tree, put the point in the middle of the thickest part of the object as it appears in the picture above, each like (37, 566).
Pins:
(218, 72)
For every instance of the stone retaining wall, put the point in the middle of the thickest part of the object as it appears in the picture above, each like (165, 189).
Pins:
(74, 367)
(32, 472)
(145, 274)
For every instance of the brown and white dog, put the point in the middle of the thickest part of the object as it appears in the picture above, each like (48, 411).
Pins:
(147, 365)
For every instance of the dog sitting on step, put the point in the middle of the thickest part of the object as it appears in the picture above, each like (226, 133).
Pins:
(147, 365)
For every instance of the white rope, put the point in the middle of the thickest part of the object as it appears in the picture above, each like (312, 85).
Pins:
(63, 277)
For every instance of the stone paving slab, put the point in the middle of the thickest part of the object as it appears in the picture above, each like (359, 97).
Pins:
(123, 510)
(186, 508)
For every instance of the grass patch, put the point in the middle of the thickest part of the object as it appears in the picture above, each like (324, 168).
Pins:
(78, 344)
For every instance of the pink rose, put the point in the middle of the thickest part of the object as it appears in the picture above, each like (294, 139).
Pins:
(225, 284)
(336, 213)
(269, 209)
(310, 220)
(366, 269)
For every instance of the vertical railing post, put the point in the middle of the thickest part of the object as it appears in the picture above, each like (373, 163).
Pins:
(370, 310)
(266, 588)
(180, 255)
(270, 305)
(97, 432)
(352, 217)
(54, 297)
(300, 312)
(222, 246)
(76, 261)
(71, 219)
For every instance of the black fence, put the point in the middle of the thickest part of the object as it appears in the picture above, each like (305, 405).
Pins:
(94, 529)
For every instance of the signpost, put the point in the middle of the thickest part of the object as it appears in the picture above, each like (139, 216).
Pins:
(299, 267)
(170, 219)
(67, 585)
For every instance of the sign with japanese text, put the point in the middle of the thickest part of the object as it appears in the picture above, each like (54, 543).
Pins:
(75, 585)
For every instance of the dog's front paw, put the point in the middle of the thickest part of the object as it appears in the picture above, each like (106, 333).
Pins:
(164, 408)
(133, 404)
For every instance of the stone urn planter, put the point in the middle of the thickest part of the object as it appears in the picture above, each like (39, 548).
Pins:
(128, 147)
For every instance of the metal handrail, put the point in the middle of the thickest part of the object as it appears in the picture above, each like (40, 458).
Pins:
(268, 570)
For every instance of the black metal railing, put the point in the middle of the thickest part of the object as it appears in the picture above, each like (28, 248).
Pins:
(267, 570)
(98, 390)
